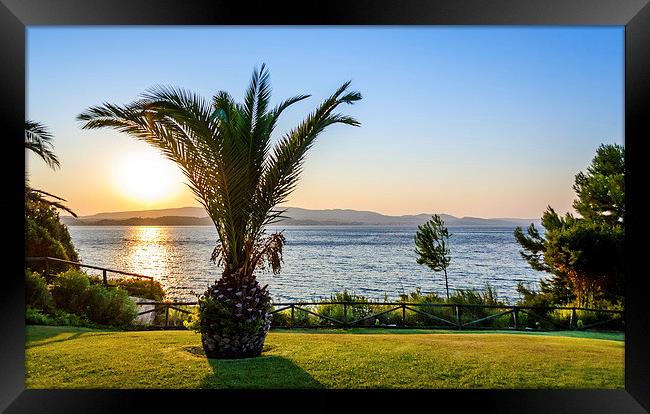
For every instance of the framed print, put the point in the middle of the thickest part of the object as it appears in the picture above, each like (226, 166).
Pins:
(421, 203)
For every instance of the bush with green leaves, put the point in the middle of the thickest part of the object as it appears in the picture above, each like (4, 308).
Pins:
(470, 313)
(420, 307)
(37, 294)
(300, 317)
(45, 235)
(361, 309)
(56, 318)
(141, 288)
(432, 304)
(418, 297)
(421, 302)
(541, 300)
(69, 291)
(109, 306)
(390, 318)
(35, 316)
(178, 318)
(73, 292)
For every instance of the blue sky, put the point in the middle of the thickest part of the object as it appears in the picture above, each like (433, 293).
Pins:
(470, 121)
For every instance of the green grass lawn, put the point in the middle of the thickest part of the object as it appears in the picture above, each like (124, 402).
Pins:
(62, 357)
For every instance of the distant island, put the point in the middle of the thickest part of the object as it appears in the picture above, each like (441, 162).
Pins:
(196, 216)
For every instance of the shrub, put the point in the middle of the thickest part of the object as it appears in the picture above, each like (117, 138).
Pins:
(541, 300)
(35, 317)
(300, 318)
(418, 297)
(365, 308)
(140, 288)
(193, 321)
(176, 317)
(70, 319)
(339, 312)
(45, 235)
(474, 297)
(471, 313)
(393, 318)
(538, 318)
(58, 318)
(109, 306)
(69, 291)
(37, 295)
(73, 293)
(424, 300)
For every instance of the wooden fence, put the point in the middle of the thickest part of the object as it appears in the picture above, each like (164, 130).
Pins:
(444, 316)
(105, 271)
(400, 314)
(423, 316)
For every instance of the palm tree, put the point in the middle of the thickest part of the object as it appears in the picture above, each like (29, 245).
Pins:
(225, 150)
(38, 139)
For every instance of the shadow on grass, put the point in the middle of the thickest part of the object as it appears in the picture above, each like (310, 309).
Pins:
(42, 342)
(266, 371)
(41, 335)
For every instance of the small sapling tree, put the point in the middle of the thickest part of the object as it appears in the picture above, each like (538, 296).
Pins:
(432, 248)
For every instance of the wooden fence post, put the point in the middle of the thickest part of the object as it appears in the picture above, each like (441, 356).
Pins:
(166, 315)
(345, 314)
(403, 315)
(515, 312)
(572, 321)
(293, 318)
(46, 274)
(457, 309)
(105, 277)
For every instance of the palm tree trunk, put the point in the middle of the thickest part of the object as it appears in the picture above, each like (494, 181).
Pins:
(239, 327)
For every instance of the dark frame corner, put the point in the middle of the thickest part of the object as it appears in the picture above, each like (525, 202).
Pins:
(16, 15)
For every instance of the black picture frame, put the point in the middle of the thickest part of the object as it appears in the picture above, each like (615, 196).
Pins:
(16, 15)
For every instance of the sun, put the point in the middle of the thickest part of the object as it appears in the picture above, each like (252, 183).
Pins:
(146, 176)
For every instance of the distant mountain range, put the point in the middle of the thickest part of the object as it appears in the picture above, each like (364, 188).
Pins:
(196, 216)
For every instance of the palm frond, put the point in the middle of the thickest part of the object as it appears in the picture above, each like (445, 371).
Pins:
(37, 196)
(38, 139)
(224, 150)
(285, 165)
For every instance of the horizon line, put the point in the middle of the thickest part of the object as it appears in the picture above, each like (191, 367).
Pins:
(315, 209)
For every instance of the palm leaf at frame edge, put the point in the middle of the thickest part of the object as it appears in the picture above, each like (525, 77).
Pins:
(38, 139)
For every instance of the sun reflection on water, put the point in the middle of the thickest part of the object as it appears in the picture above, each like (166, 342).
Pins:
(159, 252)
(148, 251)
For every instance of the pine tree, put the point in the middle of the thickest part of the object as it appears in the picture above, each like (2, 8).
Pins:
(584, 252)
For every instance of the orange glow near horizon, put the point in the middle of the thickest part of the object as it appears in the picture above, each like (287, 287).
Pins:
(146, 177)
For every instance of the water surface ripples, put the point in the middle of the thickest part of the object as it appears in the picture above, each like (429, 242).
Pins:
(318, 260)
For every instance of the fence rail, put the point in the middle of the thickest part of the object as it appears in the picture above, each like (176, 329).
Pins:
(444, 316)
(400, 314)
(104, 270)
(424, 316)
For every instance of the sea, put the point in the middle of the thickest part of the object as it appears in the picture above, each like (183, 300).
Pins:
(319, 261)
